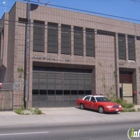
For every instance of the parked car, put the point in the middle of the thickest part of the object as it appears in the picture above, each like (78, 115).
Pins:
(99, 103)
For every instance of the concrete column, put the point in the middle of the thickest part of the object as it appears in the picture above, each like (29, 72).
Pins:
(84, 42)
(126, 43)
(137, 73)
(30, 67)
(46, 38)
(135, 41)
(95, 90)
(72, 40)
(95, 34)
(116, 73)
(59, 39)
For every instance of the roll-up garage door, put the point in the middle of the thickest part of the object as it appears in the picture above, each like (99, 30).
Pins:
(60, 88)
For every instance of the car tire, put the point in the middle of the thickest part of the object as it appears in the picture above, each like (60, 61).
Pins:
(82, 106)
(101, 109)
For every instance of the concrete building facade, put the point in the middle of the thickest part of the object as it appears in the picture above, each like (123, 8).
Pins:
(71, 55)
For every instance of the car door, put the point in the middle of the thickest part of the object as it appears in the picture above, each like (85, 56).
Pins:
(92, 103)
(87, 102)
(96, 104)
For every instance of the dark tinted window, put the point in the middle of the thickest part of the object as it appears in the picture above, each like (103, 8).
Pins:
(90, 42)
(138, 37)
(22, 20)
(65, 39)
(121, 46)
(92, 99)
(102, 99)
(38, 36)
(78, 41)
(87, 98)
(52, 38)
(131, 47)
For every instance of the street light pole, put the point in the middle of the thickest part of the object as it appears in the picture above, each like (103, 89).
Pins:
(27, 56)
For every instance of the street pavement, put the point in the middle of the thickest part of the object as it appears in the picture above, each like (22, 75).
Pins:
(82, 131)
(69, 115)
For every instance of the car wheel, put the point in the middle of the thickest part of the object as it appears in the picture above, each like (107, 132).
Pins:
(101, 110)
(82, 106)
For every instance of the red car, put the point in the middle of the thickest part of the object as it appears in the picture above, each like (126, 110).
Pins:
(99, 103)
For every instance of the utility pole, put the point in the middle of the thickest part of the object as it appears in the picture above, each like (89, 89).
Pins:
(27, 56)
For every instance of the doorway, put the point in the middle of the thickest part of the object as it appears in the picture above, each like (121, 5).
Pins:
(126, 86)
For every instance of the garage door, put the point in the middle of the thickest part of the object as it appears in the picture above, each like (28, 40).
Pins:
(60, 88)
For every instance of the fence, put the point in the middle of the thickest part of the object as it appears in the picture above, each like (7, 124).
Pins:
(6, 95)
(6, 99)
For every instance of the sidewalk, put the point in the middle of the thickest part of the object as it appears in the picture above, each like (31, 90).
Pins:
(69, 115)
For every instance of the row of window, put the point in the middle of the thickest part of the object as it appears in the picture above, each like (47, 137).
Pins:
(52, 39)
(65, 30)
(122, 47)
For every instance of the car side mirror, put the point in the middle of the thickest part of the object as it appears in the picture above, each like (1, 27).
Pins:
(93, 101)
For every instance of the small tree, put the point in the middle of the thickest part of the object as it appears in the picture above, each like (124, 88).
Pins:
(20, 72)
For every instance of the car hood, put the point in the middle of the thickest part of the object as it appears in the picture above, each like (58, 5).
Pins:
(108, 103)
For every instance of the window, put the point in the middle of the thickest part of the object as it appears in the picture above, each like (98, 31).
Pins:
(131, 47)
(38, 36)
(87, 98)
(52, 38)
(121, 46)
(138, 37)
(65, 39)
(22, 20)
(78, 41)
(93, 99)
(90, 46)
(102, 99)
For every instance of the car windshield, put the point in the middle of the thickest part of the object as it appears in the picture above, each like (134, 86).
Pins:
(102, 99)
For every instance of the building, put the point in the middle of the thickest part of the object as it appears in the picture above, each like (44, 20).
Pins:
(71, 55)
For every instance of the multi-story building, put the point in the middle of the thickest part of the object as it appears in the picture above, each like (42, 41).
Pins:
(71, 55)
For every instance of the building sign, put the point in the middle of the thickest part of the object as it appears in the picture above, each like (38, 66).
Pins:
(51, 58)
(121, 64)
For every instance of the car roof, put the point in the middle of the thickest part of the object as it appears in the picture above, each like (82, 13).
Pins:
(96, 95)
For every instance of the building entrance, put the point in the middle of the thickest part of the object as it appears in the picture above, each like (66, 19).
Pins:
(126, 86)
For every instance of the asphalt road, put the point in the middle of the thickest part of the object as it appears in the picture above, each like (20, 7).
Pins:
(84, 131)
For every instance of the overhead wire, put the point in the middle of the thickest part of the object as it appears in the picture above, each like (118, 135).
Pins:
(79, 10)
(108, 24)
(59, 27)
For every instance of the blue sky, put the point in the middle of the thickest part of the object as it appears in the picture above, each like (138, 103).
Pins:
(121, 8)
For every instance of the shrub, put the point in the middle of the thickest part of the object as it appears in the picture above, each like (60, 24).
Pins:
(124, 104)
(127, 107)
(23, 111)
(128, 110)
(37, 111)
(132, 110)
(19, 111)
(125, 110)
(117, 100)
